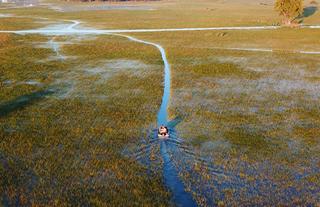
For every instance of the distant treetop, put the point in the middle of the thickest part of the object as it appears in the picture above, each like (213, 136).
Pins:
(289, 10)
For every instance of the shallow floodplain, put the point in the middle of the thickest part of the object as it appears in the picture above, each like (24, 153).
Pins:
(250, 108)
(244, 105)
(64, 124)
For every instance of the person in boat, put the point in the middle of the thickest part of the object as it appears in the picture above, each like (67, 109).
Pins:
(163, 131)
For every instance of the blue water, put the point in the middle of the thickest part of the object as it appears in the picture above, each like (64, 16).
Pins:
(172, 180)
(163, 111)
(171, 177)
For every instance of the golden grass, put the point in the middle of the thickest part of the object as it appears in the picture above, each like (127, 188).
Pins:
(69, 142)
(256, 107)
(171, 14)
(67, 149)
(15, 23)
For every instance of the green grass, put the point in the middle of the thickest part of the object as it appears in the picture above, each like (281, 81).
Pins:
(244, 138)
(257, 106)
(66, 143)
(223, 99)
(14, 23)
(67, 149)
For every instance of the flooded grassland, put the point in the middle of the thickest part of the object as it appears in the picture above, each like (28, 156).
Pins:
(64, 123)
(251, 116)
(77, 112)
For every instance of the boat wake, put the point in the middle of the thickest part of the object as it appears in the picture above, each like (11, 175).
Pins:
(191, 177)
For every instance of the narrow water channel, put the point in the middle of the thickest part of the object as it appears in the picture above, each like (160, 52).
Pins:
(169, 151)
(170, 174)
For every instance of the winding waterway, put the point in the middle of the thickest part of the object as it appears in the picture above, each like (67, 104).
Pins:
(170, 171)
(170, 174)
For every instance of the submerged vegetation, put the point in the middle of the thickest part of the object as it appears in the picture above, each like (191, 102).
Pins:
(256, 119)
(66, 148)
(72, 107)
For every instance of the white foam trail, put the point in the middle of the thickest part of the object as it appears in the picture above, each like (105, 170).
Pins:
(71, 31)
(312, 27)
(244, 49)
(75, 23)
(6, 15)
(310, 52)
(266, 50)
(56, 48)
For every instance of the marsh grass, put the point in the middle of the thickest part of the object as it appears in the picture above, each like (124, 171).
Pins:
(255, 114)
(17, 23)
(67, 150)
(260, 109)
(18, 66)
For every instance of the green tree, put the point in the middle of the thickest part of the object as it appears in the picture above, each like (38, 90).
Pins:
(289, 9)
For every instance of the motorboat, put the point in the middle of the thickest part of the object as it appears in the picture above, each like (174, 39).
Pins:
(163, 132)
